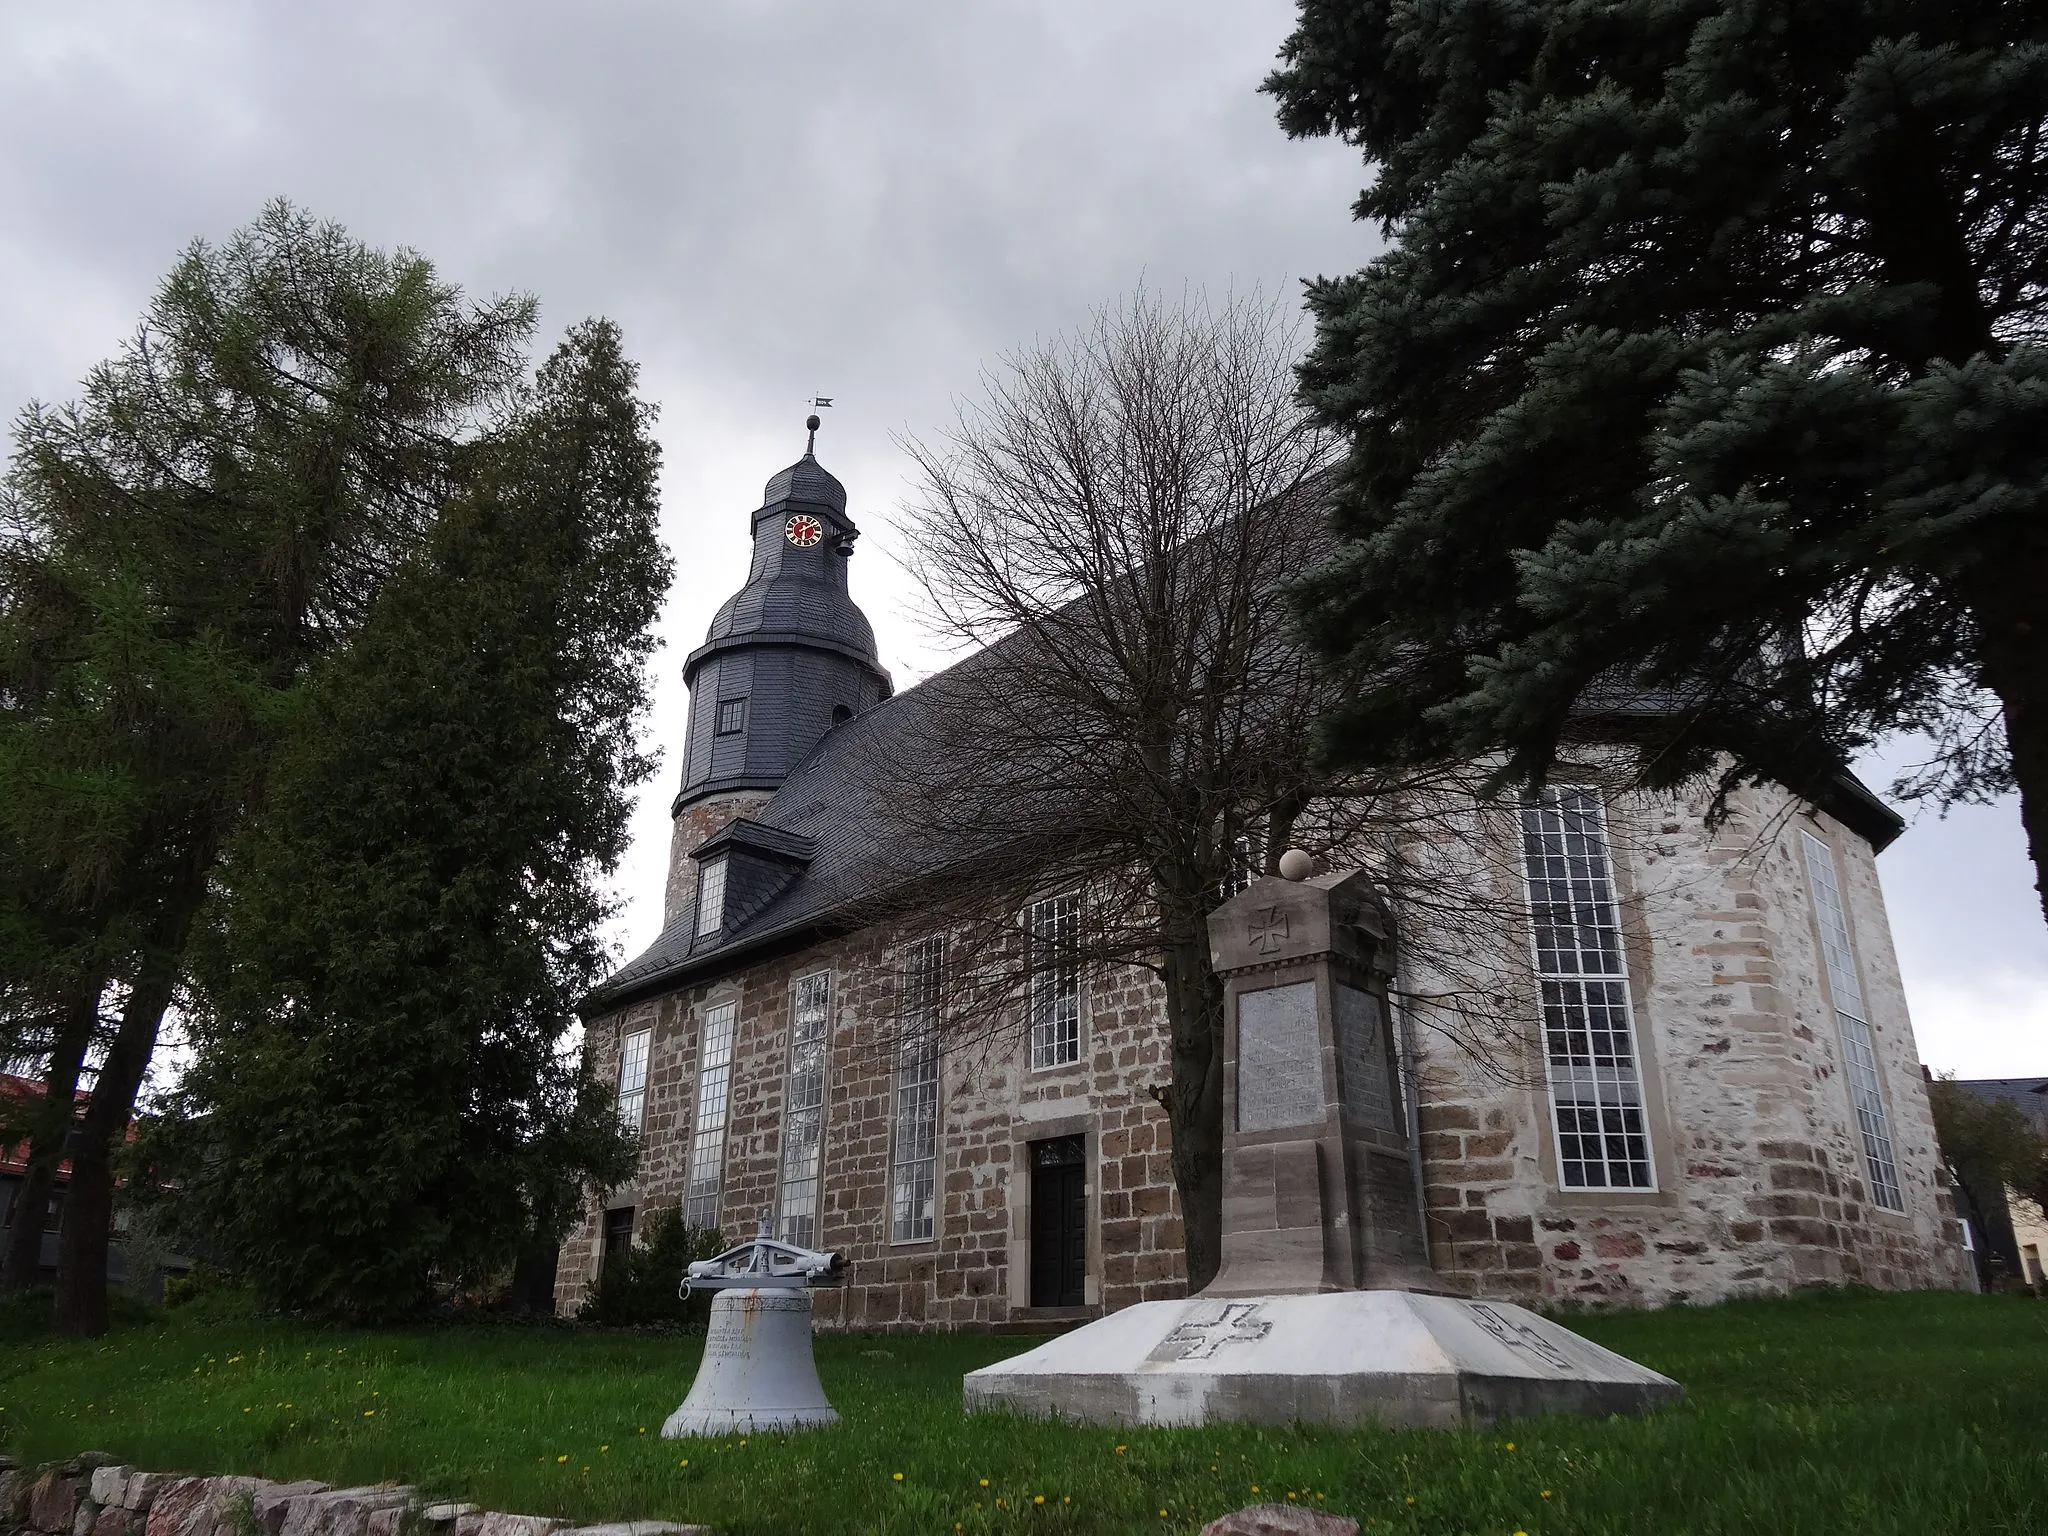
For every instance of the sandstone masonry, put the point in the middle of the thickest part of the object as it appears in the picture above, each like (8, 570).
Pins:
(1760, 1179)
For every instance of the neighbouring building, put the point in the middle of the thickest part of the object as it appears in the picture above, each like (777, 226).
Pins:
(16, 1092)
(1725, 1099)
(2009, 1229)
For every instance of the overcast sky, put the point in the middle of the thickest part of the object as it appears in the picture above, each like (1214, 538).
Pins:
(774, 200)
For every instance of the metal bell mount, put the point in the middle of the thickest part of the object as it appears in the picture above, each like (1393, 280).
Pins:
(757, 1372)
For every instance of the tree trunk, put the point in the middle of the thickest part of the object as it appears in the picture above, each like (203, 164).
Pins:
(22, 1260)
(87, 1229)
(2006, 598)
(1194, 1100)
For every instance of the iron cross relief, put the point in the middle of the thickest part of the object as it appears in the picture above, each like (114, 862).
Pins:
(1267, 929)
(1238, 1323)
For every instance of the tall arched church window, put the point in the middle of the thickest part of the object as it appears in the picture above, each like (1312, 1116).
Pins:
(1859, 1050)
(633, 1078)
(803, 1117)
(914, 1132)
(707, 1130)
(1052, 930)
(1590, 1059)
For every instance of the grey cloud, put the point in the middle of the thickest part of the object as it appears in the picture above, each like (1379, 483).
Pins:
(772, 198)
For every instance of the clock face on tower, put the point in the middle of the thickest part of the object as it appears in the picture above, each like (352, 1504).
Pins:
(803, 530)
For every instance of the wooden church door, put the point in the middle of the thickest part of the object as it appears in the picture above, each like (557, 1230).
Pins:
(1059, 1222)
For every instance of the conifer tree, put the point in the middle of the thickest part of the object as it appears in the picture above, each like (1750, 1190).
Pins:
(381, 1098)
(214, 514)
(1704, 380)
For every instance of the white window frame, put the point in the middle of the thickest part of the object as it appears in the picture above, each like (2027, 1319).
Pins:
(1862, 1075)
(801, 1180)
(706, 1180)
(1247, 863)
(711, 897)
(634, 1050)
(1055, 997)
(1566, 981)
(914, 1121)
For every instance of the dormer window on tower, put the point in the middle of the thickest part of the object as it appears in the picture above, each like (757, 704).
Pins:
(710, 897)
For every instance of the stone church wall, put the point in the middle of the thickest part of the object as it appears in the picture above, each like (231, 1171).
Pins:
(1760, 1173)
(974, 1272)
(1761, 1183)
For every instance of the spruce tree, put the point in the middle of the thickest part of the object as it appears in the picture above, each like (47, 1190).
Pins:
(381, 1098)
(1703, 383)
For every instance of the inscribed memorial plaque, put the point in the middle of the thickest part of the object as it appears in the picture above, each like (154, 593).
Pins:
(1279, 1058)
(1362, 1059)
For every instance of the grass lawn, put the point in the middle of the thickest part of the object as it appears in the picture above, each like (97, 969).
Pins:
(1853, 1413)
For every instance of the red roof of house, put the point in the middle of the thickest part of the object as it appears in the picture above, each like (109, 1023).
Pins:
(15, 1158)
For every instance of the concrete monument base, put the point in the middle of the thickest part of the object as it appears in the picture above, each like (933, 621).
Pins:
(1342, 1358)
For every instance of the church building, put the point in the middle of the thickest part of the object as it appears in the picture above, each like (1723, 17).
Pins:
(1726, 1097)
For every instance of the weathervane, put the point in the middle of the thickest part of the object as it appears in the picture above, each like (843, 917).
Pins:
(811, 422)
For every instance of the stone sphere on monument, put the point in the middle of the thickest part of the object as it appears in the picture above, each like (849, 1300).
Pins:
(1296, 864)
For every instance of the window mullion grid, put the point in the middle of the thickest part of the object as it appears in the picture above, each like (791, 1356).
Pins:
(707, 1131)
(1590, 1061)
(914, 1129)
(1053, 931)
(804, 1109)
(1859, 1047)
(632, 1096)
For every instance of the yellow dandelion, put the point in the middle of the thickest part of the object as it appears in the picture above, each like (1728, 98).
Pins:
(1546, 1493)
(897, 1475)
(1255, 1487)
(1411, 1498)
(602, 1449)
(984, 1482)
(1290, 1493)
(1038, 1498)
(684, 1462)
(1119, 1450)
(560, 1459)
(369, 1413)
(1511, 1445)
(1162, 1514)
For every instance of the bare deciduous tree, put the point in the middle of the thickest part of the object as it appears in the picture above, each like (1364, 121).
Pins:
(1109, 529)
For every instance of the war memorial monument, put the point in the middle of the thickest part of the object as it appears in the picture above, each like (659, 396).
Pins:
(1325, 1309)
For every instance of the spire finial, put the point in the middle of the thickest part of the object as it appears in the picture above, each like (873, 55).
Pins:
(812, 424)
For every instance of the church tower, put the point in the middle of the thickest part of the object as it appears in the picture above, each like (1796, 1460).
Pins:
(787, 657)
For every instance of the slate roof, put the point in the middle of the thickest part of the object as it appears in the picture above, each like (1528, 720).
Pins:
(831, 802)
(854, 847)
(2028, 1094)
(787, 606)
(795, 595)
(807, 481)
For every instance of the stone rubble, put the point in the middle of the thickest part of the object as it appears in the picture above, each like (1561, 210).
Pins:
(91, 1495)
